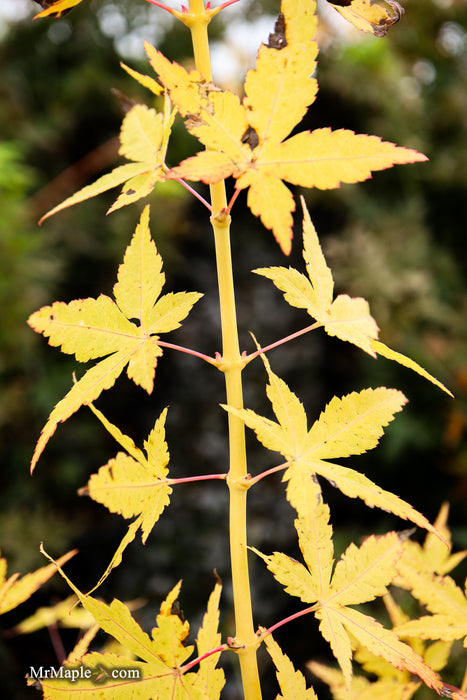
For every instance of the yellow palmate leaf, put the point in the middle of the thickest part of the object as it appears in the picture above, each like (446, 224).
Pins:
(93, 328)
(127, 487)
(119, 677)
(369, 16)
(143, 139)
(347, 426)
(56, 8)
(291, 682)
(346, 318)
(160, 674)
(132, 485)
(361, 574)
(246, 140)
(16, 589)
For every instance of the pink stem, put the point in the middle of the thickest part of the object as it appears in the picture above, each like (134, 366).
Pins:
(185, 184)
(161, 5)
(57, 643)
(273, 470)
(270, 630)
(216, 650)
(188, 351)
(248, 358)
(237, 191)
(226, 4)
(203, 477)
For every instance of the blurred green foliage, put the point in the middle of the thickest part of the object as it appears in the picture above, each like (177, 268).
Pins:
(398, 240)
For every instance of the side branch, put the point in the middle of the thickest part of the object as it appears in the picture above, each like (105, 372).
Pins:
(292, 336)
(254, 480)
(188, 351)
(265, 632)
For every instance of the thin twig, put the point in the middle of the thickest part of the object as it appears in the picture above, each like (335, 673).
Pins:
(273, 470)
(292, 336)
(188, 351)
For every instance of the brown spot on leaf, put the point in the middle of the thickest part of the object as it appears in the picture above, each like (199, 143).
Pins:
(193, 120)
(176, 610)
(251, 138)
(277, 38)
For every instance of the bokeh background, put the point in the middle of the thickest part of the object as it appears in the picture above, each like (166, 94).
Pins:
(397, 240)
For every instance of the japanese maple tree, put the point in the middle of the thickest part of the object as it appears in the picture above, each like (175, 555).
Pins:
(256, 140)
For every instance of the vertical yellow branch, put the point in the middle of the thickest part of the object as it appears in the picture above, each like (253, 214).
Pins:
(197, 19)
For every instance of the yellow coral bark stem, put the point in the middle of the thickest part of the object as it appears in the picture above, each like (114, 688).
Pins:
(232, 365)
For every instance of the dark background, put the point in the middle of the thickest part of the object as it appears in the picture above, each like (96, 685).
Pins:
(398, 240)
